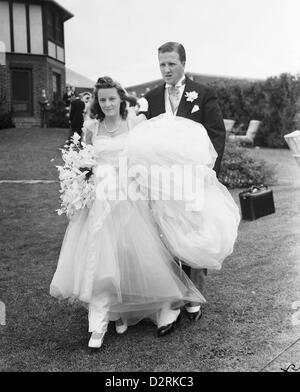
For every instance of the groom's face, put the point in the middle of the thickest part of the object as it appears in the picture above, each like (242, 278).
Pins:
(171, 68)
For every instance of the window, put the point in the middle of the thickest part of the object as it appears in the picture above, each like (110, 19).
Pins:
(56, 85)
(55, 27)
(50, 24)
(59, 33)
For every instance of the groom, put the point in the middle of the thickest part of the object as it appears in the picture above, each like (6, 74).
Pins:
(200, 105)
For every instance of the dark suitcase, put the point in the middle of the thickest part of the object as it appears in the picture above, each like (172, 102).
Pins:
(256, 202)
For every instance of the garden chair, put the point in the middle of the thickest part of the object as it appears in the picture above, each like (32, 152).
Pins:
(229, 124)
(248, 138)
(293, 141)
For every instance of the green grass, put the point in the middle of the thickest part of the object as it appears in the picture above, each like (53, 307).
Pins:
(26, 154)
(247, 318)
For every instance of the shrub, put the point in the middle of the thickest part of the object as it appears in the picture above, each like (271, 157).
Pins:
(6, 120)
(57, 115)
(275, 102)
(240, 170)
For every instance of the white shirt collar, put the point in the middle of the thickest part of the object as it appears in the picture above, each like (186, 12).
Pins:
(178, 84)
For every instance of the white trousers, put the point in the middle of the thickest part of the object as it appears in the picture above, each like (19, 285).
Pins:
(99, 315)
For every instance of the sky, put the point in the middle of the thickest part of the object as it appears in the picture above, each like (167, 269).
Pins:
(240, 38)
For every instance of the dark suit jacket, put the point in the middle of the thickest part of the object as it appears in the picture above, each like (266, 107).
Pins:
(209, 113)
(76, 115)
(67, 98)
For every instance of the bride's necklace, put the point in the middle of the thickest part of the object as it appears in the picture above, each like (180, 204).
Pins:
(111, 130)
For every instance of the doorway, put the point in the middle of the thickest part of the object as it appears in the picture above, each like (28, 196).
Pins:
(21, 87)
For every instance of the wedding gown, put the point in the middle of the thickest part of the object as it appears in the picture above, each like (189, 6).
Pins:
(199, 226)
(123, 250)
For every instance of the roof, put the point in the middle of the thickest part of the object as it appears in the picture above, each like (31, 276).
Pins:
(67, 14)
(77, 80)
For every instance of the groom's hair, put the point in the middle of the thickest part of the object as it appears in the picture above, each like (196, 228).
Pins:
(174, 47)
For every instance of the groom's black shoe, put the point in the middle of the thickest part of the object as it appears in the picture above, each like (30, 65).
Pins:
(169, 328)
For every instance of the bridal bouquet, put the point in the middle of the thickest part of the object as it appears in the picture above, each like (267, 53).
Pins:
(77, 186)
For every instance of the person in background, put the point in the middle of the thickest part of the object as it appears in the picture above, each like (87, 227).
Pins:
(76, 115)
(44, 108)
(67, 98)
(86, 97)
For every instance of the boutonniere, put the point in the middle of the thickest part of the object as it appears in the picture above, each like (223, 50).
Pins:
(191, 96)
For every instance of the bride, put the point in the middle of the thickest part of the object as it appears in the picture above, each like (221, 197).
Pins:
(118, 256)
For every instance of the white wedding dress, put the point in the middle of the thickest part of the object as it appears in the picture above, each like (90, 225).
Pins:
(123, 250)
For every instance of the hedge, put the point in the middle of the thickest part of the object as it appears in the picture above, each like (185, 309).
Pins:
(275, 102)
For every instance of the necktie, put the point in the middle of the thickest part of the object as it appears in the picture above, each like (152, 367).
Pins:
(174, 96)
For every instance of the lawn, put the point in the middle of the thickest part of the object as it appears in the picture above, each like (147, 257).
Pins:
(26, 154)
(247, 320)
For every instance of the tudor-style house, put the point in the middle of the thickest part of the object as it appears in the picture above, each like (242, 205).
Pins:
(33, 55)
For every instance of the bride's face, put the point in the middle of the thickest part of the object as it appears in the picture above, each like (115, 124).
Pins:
(109, 101)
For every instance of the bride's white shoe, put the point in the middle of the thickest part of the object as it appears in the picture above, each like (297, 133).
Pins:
(98, 321)
(96, 340)
(97, 337)
(121, 326)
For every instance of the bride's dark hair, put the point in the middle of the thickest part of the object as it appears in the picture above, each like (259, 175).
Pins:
(103, 83)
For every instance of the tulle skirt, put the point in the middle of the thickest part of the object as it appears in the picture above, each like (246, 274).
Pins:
(114, 250)
(196, 215)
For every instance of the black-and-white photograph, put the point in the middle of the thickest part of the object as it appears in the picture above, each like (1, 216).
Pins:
(150, 188)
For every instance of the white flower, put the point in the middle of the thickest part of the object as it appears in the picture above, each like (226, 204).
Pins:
(76, 138)
(76, 191)
(191, 96)
(143, 105)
